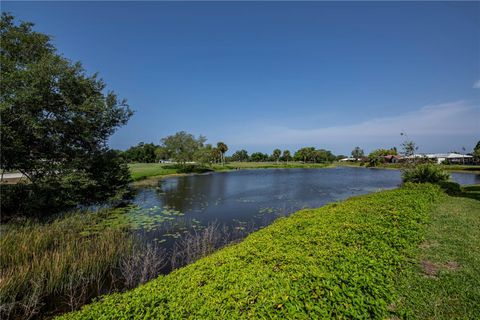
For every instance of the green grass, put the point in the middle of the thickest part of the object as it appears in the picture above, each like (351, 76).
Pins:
(140, 171)
(462, 168)
(267, 165)
(338, 261)
(445, 284)
(144, 170)
(453, 168)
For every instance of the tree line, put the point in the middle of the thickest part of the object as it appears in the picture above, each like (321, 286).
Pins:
(183, 147)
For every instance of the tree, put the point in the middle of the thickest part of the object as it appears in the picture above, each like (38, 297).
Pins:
(142, 152)
(305, 154)
(222, 147)
(323, 155)
(216, 155)
(258, 157)
(378, 156)
(408, 148)
(241, 155)
(276, 154)
(358, 153)
(182, 146)
(286, 156)
(56, 121)
(204, 155)
(161, 154)
(476, 150)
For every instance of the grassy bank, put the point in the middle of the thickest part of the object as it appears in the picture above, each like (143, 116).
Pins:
(142, 171)
(396, 166)
(341, 260)
(445, 284)
(267, 165)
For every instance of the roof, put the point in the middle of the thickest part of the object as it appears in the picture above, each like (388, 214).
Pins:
(451, 155)
(448, 155)
(390, 156)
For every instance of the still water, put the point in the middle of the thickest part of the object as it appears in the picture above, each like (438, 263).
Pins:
(249, 199)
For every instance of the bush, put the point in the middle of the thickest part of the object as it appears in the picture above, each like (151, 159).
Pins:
(450, 187)
(104, 178)
(192, 168)
(339, 261)
(425, 173)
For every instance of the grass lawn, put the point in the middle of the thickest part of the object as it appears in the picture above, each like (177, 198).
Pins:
(453, 168)
(267, 165)
(338, 261)
(144, 170)
(445, 283)
(140, 171)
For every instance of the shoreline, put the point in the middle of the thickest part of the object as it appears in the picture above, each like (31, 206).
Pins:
(148, 180)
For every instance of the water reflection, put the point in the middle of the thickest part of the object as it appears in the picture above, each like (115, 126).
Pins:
(252, 198)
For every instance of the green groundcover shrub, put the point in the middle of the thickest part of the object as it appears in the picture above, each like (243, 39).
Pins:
(337, 261)
(425, 173)
(450, 187)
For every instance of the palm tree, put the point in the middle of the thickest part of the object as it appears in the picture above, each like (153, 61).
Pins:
(216, 154)
(222, 147)
(286, 155)
(276, 154)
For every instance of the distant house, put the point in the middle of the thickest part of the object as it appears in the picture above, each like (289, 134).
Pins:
(451, 157)
(348, 159)
(392, 158)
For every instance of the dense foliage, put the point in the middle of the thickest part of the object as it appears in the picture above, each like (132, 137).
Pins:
(310, 154)
(339, 261)
(55, 124)
(143, 152)
(182, 146)
(358, 153)
(377, 156)
(240, 155)
(425, 173)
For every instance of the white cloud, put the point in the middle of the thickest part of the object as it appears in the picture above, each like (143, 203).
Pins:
(476, 85)
(433, 122)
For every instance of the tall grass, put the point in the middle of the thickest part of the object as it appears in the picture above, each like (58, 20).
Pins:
(46, 268)
(58, 266)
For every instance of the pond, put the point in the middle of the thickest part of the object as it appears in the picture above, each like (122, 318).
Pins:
(246, 200)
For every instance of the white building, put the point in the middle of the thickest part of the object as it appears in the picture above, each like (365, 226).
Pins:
(441, 157)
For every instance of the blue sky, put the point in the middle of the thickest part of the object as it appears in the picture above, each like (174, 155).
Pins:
(260, 75)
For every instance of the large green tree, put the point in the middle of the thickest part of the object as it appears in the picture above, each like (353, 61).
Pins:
(286, 156)
(56, 120)
(358, 153)
(276, 154)
(240, 155)
(305, 154)
(182, 146)
(142, 152)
